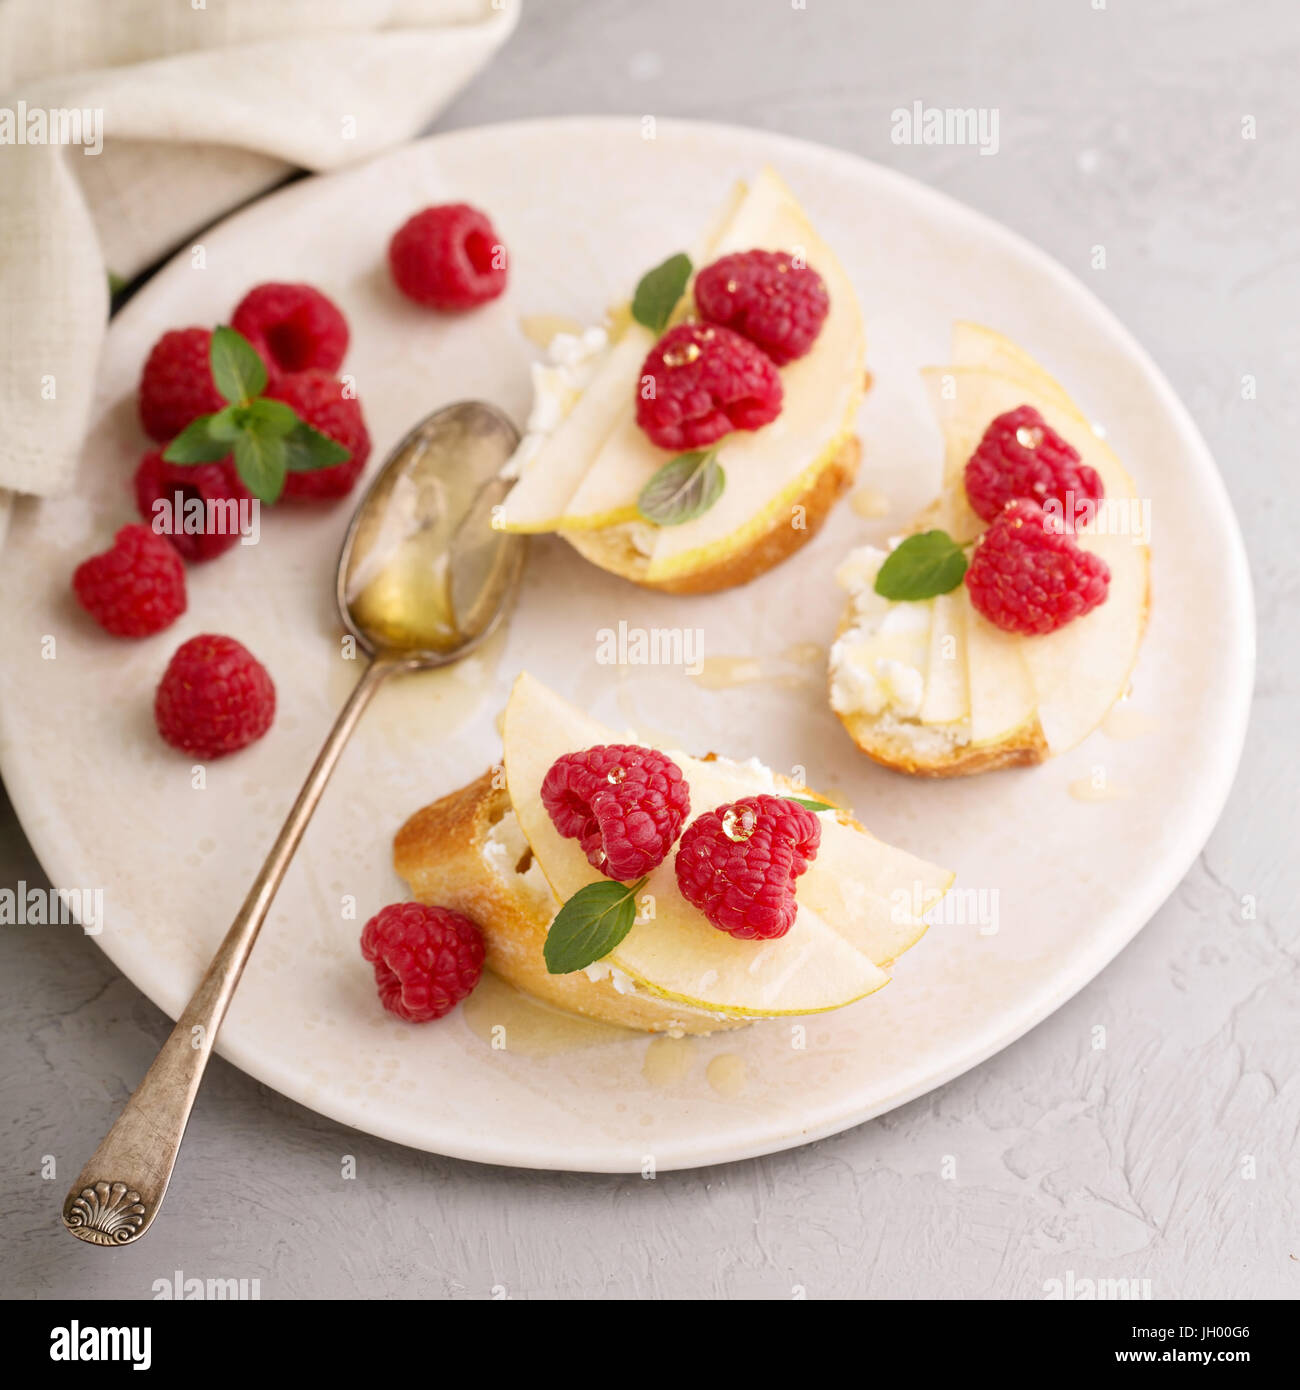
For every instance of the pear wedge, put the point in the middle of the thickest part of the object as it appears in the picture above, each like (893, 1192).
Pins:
(861, 902)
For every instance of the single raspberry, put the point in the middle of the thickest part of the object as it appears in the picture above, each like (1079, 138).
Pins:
(765, 296)
(623, 804)
(293, 327)
(1029, 575)
(700, 382)
(448, 257)
(738, 864)
(1021, 455)
(426, 959)
(136, 587)
(176, 385)
(215, 697)
(318, 399)
(213, 486)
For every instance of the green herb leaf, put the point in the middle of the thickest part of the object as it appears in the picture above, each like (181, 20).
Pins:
(275, 416)
(811, 805)
(196, 443)
(227, 424)
(684, 488)
(659, 290)
(306, 449)
(238, 372)
(259, 458)
(924, 565)
(590, 925)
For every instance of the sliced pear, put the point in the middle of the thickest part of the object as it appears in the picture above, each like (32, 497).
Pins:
(1002, 699)
(947, 689)
(861, 902)
(768, 468)
(974, 345)
(1078, 672)
(538, 501)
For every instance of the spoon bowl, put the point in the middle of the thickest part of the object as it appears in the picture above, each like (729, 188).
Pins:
(424, 575)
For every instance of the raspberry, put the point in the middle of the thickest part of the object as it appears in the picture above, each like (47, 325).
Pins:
(426, 959)
(157, 480)
(448, 257)
(136, 587)
(293, 327)
(176, 385)
(1028, 575)
(765, 297)
(319, 400)
(214, 698)
(738, 864)
(700, 382)
(623, 804)
(1021, 455)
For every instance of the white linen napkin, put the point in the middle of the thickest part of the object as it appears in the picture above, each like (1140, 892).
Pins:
(166, 114)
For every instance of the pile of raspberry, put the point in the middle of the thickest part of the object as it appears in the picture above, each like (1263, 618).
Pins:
(626, 806)
(302, 337)
(1028, 573)
(757, 311)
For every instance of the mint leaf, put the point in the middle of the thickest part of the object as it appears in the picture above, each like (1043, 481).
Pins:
(590, 925)
(275, 416)
(306, 449)
(259, 458)
(238, 372)
(227, 424)
(924, 565)
(811, 805)
(196, 443)
(684, 488)
(659, 290)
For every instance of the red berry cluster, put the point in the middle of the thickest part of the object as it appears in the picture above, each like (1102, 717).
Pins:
(625, 805)
(758, 310)
(1028, 573)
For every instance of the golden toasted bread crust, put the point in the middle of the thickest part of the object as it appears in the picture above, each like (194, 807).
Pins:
(1024, 748)
(440, 853)
(777, 543)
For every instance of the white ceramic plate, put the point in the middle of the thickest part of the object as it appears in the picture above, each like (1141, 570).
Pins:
(585, 206)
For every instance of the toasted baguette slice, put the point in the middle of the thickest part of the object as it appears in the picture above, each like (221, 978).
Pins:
(612, 548)
(453, 854)
(1011, 700)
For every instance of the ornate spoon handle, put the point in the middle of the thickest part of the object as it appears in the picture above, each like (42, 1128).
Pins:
(119, 1192)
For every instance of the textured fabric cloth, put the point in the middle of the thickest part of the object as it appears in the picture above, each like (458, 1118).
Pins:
(125, 125)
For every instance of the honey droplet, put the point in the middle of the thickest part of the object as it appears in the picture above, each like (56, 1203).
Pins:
(1029, 436)
(682, 356)
(739, 823)
(616, 775)
(732, 286)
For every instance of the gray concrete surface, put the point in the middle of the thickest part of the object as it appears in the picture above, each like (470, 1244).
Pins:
(1168, 1157)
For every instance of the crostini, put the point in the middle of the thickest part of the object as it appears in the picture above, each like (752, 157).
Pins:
(704, 436)
(1003, 628)
(737, 895)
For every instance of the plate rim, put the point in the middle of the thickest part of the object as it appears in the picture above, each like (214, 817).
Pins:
(1011, 1023)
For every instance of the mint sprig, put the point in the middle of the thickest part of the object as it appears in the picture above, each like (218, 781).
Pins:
(268, 439)
(684, 488)
(659, 290)
(923, 566)
(590, 925)
(810, 804)
(238, 371)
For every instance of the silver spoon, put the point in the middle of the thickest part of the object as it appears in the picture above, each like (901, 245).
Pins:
(423, 578)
